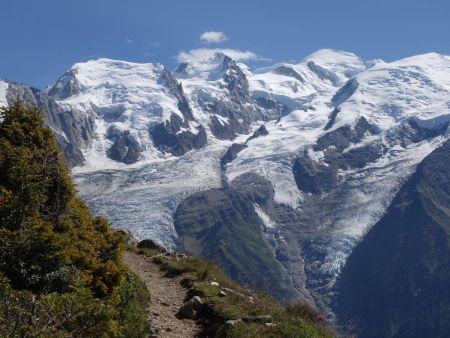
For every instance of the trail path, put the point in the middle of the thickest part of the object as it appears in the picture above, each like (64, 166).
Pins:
(167, 296)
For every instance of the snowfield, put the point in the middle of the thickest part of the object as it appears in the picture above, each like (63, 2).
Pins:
(3, 91)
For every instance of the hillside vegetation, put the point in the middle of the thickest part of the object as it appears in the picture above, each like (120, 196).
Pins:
(60, 268)
(225, 309)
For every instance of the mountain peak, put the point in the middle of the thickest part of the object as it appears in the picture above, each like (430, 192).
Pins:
(210, 67)
(329, 54)
(67, 85)
(343, 64)
(103, 72)
(432, 60)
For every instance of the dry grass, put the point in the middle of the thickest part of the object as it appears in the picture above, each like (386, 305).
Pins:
(306, 311)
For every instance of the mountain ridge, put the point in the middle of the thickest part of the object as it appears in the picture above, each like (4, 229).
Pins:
(395, 283)
(341, 136)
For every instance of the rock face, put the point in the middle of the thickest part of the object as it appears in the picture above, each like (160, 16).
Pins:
(345, 92)
(66, 86)
(261, 131)
(176, 89)
(176, 135)
(321, 176)
(342, 137)
(231, 154)
(125, 148)
(288, 71)
(168, 137)
(312, 176)
(396, 282)
(236, 81)
(323, 73)
(73, 132)
(255, 188)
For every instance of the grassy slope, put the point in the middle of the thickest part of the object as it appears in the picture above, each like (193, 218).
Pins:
(221, 225)
(239, 302)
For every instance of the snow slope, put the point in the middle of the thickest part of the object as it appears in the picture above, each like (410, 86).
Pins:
(311, 82)
(388, 93)
(306, 92)
(3, 91)
(123, 96)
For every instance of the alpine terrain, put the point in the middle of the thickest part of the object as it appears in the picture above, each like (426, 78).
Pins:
(281, 175)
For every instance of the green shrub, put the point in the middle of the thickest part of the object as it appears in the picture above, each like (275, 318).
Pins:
(78, 313)
(135, 299)
(61, 270)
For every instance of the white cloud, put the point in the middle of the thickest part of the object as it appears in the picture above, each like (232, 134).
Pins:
(203, 54)
(129, 41)
(213, 37)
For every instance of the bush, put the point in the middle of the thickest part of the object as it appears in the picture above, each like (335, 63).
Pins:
(306, 311)
(61, 270)
(78, 313)
(135, 298)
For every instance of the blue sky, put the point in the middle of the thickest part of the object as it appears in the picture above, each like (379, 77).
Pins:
(40, 40)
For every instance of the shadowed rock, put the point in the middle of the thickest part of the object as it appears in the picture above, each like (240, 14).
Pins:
(72, 131)
(396, 281)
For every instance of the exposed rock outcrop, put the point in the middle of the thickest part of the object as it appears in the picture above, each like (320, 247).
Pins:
(169, 136)
(231, 154)
(125, 149)
(323, 73)
(288, 71)
(177, 136)
(261, 131)
(66, 86)
(73, 131)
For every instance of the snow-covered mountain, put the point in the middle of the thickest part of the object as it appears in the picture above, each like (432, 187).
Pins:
(144, 114)
(333, 136)
(338, 164)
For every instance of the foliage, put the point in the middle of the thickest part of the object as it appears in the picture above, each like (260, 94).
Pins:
(305, 310)
(135, 297)
(78, 313)
(60, 267)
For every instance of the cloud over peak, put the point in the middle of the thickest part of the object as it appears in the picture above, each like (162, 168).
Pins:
(203, 54)
(213, 37)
